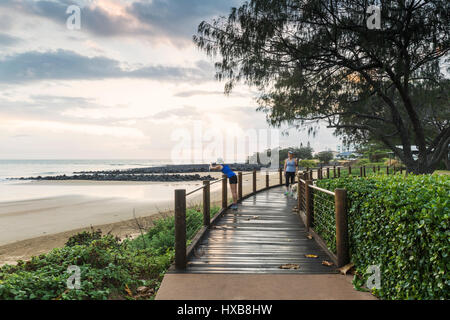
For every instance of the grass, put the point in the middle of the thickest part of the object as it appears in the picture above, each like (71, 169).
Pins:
(443, 172)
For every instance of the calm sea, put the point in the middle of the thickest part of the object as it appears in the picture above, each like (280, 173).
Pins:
(16, 190)
(27, 168)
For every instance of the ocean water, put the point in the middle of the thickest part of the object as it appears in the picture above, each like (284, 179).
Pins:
(16, 190)
(27, 168)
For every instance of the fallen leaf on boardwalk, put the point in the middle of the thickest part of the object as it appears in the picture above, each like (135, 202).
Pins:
(343, 270)
(255, 217)
(290, 266)
(128, 290)
(311, 256)
(327, 263)
(309, 237)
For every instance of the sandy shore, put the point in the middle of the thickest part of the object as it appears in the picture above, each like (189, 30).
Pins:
(35, 226)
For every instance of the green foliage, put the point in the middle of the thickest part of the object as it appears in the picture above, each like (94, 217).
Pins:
(375, 152)
(84, 238)
(108, 267)
(317, 60)
(402, 224)
(307, 163)
(325, 156)
(363, 162)
(299, 153)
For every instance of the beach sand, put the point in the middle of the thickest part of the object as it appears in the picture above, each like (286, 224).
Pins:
(35, 226)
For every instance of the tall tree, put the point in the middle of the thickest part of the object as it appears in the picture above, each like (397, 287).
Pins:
(325, 156)
(318, 60)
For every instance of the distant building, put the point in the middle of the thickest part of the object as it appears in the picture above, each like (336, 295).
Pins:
(344, 148)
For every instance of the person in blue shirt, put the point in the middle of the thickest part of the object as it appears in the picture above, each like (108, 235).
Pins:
(231, 177)
(290, 165)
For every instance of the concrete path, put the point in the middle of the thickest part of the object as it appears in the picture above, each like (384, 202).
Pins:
(259, 287)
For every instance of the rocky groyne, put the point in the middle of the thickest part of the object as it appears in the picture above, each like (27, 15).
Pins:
(178, 168)
(125, 177)
(169, 173)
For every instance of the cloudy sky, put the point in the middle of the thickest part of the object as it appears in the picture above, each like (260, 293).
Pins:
(129, 84)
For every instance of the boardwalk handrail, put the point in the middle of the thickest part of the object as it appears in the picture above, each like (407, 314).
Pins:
(330, 172)
(182, 252)
(317, 223)
(308, 195)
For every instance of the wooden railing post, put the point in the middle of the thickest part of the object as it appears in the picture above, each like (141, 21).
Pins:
(224, 192)
(364, 171)
(267, 179)
(206, 204)
(361, 171)
(254, 181)
(339, 172)
(281, 176)
(299, 192)
(328, 173)
(374, 169)
(240, 185)
(379, 168)
(349, 170)
(309, 204)
(180, 229)
(334, 172)
(387, 169)
(342, 245)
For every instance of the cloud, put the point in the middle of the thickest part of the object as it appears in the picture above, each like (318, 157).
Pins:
(7, 41)
(191, 93)
(103, 18)
(43, 107)
(179, 18)
(185, 112)
(233, 94)
(6, 21)
(68, 65)
(173, 20)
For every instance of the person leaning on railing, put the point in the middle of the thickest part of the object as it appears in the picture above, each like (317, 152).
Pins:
(231, 177)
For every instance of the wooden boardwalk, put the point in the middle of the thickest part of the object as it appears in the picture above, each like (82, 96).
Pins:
(260, 237)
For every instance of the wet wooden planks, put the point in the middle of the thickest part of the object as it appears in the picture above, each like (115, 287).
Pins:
(261, 236)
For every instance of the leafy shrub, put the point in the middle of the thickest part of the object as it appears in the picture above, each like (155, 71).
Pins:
(402, 224)
(109, 268)
(307, 163)
(392, 162)
(363, 162)
(84, 238)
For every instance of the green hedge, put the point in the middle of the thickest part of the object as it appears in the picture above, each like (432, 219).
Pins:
(402, 224)
(109, 267)
(307, 163)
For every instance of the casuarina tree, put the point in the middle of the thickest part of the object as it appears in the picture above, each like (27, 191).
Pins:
(372, 70)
